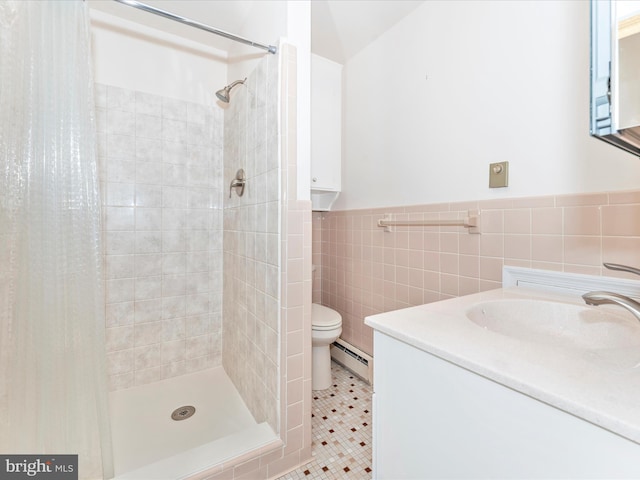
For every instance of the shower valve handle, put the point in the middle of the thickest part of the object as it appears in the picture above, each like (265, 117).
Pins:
(238, 183)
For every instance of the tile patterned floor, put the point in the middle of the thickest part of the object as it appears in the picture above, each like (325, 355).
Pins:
(341, 429)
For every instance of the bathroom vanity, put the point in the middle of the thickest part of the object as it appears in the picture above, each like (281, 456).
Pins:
(511, 383)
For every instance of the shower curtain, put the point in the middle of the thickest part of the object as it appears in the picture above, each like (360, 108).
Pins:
(53, 397)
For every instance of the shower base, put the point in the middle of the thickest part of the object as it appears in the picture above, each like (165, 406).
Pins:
(149, 444)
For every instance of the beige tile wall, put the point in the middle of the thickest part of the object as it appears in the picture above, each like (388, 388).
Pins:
(292, 351)
(295, 311)
(366, 271)
(251, 326)
(160, 162)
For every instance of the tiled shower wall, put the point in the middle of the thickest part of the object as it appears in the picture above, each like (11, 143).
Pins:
(294, 280)
(161, 164)
(295, 306)
(251, 324)
(365, 270)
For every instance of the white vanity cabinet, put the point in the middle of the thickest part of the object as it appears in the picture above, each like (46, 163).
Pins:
(435, 420)
(326, 131)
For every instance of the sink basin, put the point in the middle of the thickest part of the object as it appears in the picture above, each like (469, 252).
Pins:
(556, 323)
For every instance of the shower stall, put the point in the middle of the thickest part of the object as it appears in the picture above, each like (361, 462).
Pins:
(204, 341)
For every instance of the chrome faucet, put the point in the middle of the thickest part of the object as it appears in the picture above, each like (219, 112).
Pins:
(600, 298)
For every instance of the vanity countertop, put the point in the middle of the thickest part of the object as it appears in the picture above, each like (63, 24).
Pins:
(600, 385)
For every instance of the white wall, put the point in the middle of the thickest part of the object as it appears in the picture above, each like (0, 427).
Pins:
(299, 34)
(129, 55)
(266, 24)
(459, 84)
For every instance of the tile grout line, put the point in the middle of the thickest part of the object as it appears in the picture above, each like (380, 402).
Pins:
(341, 431)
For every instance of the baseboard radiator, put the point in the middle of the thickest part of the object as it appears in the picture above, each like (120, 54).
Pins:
(353, 359)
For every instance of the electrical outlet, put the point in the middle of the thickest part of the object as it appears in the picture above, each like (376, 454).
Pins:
(499, 175)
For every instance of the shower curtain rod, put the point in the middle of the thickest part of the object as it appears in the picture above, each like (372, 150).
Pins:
(193, 23)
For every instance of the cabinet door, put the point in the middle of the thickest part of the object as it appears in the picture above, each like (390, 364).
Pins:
(614, 88)
(326, 123)
(600, 67)
(435, 420)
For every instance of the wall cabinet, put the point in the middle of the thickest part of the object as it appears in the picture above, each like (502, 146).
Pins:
(326, 132)
(615, 89)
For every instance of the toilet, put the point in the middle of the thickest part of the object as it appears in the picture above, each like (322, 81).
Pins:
(326, 327)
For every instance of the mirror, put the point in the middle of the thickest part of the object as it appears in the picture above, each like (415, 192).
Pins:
(615, 72)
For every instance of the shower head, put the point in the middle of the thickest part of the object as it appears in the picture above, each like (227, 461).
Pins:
(223, 94)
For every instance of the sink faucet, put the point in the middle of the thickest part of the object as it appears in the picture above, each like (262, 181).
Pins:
(600, 298)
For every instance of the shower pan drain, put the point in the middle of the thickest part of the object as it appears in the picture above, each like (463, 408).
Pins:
(182, 413)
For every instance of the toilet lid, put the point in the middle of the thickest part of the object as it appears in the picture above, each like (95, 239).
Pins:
(322, 316)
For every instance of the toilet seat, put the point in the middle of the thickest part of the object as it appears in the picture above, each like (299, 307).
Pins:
(324, 318)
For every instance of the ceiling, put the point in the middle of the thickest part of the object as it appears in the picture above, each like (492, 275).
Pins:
(339, 28)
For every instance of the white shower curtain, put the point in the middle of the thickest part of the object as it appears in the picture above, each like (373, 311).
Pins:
(53, 397)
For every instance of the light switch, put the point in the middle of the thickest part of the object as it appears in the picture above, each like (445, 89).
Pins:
(498, 174)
